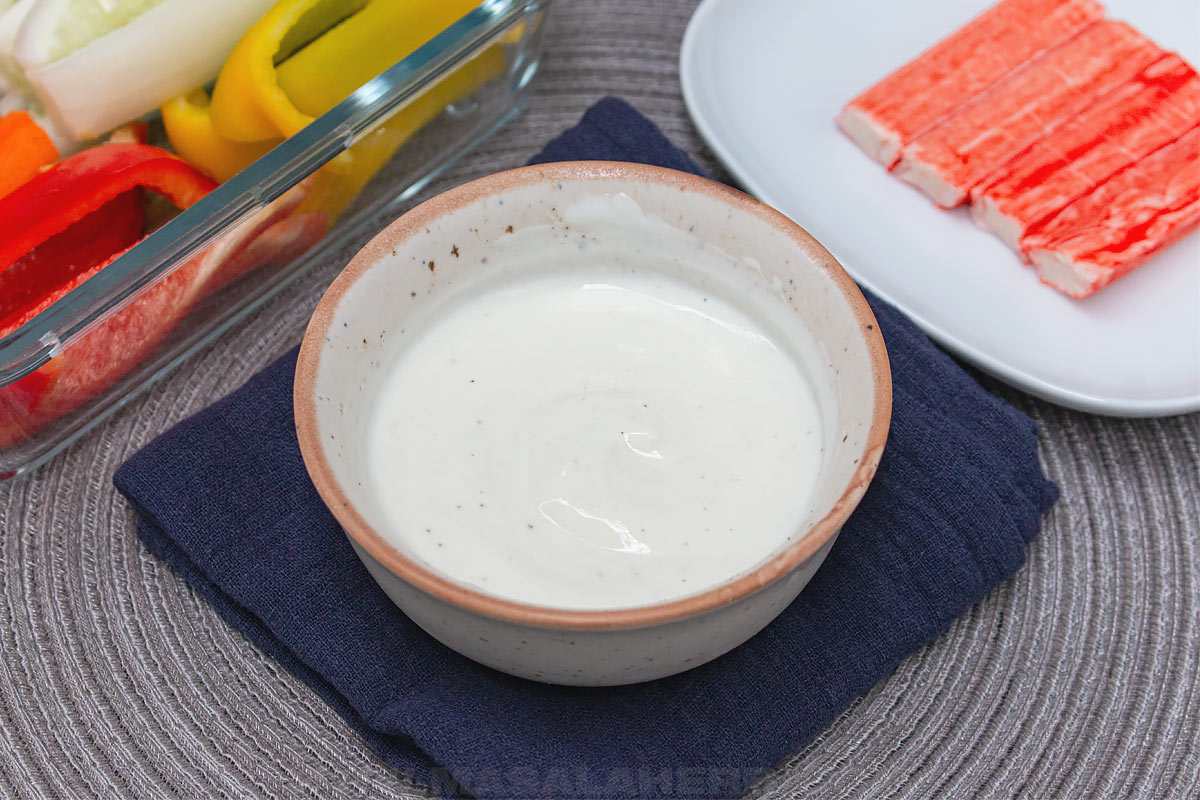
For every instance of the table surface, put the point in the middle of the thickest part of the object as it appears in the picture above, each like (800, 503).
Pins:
(1076, 678)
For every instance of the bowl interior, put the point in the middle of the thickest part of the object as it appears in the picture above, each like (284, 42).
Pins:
(500, 228)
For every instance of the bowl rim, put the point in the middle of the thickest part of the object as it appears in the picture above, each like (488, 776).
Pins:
(416, 221)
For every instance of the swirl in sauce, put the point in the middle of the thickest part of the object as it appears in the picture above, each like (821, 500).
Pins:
(590, 442)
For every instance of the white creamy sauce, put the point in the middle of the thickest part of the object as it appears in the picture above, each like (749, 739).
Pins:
(594, 441)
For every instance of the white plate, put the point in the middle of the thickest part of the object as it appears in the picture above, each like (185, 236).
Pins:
(763, 80)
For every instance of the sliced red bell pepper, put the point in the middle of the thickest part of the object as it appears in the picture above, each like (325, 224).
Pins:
(24, 149)
(62, 224)
(108, 351)
(59, 228)
(39, 277)
(65, 193)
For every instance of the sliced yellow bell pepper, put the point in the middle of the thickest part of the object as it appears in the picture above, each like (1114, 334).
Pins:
(253, 99)
(326, 71)
(340, 181)
(247, 103)
(256, 103)
(188, 121)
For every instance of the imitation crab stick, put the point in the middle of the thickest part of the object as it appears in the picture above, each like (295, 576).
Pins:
(950, 158)
(1116, 227)
(887, 116)
(1158, 106)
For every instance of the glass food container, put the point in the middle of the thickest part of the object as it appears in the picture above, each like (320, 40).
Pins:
(114, 335)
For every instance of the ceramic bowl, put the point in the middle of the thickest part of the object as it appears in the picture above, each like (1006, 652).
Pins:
(401, 279)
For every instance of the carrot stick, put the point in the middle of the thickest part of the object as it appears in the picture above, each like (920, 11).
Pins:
(24, 150)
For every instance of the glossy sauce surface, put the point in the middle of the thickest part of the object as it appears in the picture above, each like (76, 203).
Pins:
(594, 441)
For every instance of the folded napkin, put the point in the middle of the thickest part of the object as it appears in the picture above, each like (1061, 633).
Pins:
(224, 499)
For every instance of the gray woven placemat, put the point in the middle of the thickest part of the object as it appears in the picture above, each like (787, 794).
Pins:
(1077, 678)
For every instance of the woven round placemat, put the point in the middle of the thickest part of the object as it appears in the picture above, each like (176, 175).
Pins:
(1075, 679)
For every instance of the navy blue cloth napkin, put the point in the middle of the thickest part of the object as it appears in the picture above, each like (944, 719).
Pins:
(224, 499)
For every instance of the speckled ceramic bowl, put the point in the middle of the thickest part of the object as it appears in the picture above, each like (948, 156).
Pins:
(397, 282)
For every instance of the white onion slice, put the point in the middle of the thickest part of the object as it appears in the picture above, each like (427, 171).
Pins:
(169, 49)
(11, 77)
(15, 92)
